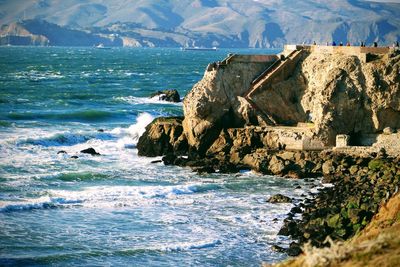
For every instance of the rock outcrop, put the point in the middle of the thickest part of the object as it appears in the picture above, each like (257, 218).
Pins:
(170, 95)
(215, 102)
(336, 93)
(163, 136)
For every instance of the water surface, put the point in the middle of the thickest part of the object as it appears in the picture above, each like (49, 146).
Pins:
(117, 208)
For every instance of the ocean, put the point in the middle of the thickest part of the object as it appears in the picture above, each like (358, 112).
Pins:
(118, 209)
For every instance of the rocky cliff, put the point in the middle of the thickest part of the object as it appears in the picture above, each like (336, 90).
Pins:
(215, 102)
(339, 93)
(335, 93)
(278, 127)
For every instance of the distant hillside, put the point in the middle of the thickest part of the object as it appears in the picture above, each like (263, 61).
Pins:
(222, 23)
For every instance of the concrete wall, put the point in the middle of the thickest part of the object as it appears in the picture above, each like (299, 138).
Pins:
(293, 138)
(348, 50)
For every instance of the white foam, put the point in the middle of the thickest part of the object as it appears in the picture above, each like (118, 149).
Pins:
(39, 203)
(103, 197)
(145, 100)
(35, 75)
(185, 246)
(128, 137)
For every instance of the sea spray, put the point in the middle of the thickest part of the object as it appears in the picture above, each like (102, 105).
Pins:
(129, 136)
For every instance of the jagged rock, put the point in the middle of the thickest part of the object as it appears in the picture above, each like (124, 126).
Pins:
(338, 93)
(169, 159)
(171, 95)
(162, 136)
(296, 210)
(204, 169)
(213, 102)
(294, 250)
(74, 157)
(388, 130)
(328, 167)
(90, 151)
(277, 248)
(279, 198)
(276, 165)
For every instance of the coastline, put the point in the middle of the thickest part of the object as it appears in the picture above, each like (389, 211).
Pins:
(227, 136)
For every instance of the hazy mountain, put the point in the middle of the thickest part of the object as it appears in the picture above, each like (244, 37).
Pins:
(224, 23)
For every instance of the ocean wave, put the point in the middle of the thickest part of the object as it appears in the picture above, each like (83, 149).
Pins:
(5, 124)
(85, 115)
(145, 100)
(62, 257)
(79, 176)
(185, 246)
(35, 76)
(40, 203)
(106, 196)
(129, 136)
(65, 139)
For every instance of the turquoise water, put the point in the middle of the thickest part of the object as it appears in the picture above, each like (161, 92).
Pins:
(117, 209)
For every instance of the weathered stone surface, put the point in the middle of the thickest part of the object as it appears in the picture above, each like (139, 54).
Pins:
(337, 93)
(163, 136)
(213, 102)
(276, 165)
(279, 198)
(328, 167)
(388, 130)
(170, 95)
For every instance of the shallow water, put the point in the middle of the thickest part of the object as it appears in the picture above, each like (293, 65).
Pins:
(117, 208)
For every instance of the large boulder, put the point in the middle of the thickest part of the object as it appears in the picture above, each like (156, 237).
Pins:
(163, 136)
(214, 102)
(170, 95)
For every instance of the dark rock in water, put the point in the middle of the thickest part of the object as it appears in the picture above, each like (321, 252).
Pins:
(279, 198)
(100, 130)
(74, 157)
(171, 95)
(296, 210)
(294, 250)
(156, 161)
(90, 151)
(289, 228)
(278, 248)
(62, 152)
(204, 169)
(169, 159)
(227, 167)
(294, 175)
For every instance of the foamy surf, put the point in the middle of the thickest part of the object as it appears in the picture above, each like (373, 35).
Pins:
(146, 100)
(128, 137)
(107, 197)
(186, 246)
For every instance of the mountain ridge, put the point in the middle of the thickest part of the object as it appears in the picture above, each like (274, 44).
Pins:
(221, 23)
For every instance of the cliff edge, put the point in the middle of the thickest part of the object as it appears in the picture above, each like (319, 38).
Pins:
(351, 93)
